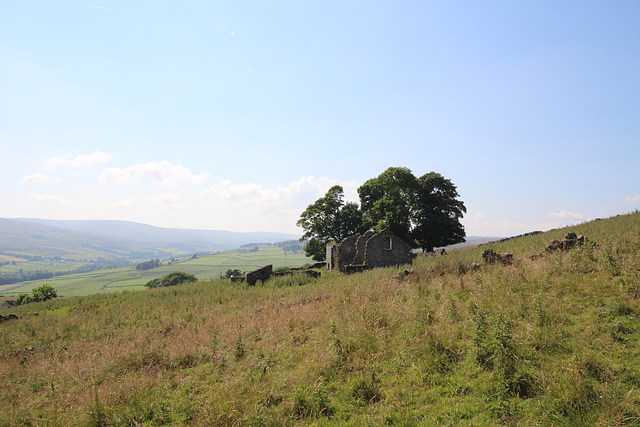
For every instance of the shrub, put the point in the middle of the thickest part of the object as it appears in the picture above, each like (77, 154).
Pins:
(172, 279)
(234, 272)
(42, 293)
(23, 299)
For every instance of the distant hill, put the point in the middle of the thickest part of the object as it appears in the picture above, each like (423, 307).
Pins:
(165, 239)
(32, 239)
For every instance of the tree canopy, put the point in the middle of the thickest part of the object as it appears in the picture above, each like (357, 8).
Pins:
(389, 200)
(438, 212)
(424, 212)
(329, 219)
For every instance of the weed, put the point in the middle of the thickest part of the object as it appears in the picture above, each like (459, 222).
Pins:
(542, 317)
(611, 261)
(620, 332)
(214, 344)
(582, 259)
(483, 346)
(300, 406)
(97, 413)
(367, 391)
(239, 348)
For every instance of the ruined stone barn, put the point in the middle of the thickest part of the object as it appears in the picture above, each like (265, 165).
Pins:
(368, 250)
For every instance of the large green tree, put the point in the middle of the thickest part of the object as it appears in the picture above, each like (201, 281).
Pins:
(437, 213)
(424, 212)
(388, 202)
(328, 219)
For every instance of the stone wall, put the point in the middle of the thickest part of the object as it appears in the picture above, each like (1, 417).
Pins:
(261, 274)
(368, 250)
(386, 249)
(347, 251)
(361, 248)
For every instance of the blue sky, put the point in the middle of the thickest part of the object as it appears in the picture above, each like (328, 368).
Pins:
(237, 115)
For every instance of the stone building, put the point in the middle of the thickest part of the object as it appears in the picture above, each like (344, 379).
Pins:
(368, 250)
(262, 274)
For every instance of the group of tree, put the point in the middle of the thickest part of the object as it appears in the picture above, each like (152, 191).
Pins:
(42, 293)
(290, 245)
(148, 265)
(172, 279)
(229, 273)
(424, 212)
(23, 276)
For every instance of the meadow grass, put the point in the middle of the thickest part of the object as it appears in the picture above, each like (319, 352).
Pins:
(31, 266)
(550, 341)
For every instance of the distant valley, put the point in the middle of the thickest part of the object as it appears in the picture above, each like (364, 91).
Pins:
(93, 239)
(40, 249)
(33, 250)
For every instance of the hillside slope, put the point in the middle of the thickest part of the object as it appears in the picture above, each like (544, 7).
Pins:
(186, 240)
(22, 237)
(546, 341)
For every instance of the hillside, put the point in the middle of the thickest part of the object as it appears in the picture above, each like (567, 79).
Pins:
(176, 239)
(32, 239)
(547, 341)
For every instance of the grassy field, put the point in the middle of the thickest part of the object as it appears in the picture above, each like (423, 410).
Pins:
(128, 278)
(11, 258)
(545, 342)
(52, 266)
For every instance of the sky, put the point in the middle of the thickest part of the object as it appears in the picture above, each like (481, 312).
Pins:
(236, 115)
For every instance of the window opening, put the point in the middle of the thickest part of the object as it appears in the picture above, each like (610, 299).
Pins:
(387, 243)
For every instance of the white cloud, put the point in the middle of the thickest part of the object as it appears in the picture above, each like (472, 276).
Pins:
(80, 160)
(168, 201)
(36, 178)
(250, 206)
(306, 188)
(163, 173)
(633, 199)
(565, 214)
(124, 203)
(47, 198)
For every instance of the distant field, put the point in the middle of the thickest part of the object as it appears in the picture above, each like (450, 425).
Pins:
(52, 266)
(11, 258)
(128, 278)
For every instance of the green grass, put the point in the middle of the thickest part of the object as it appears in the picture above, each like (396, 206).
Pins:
(52, 266)
(128, 278)
(552, 341)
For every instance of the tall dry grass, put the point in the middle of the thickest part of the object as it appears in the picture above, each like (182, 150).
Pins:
(547, 342)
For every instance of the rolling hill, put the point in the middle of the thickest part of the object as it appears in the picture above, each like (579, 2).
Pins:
(187, 240)
(32, 239)
(91, 239)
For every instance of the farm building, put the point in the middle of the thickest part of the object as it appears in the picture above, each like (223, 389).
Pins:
(368, 250)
